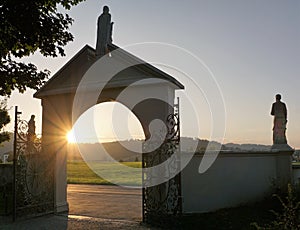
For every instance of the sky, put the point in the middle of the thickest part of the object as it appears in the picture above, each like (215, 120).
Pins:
(239, 53)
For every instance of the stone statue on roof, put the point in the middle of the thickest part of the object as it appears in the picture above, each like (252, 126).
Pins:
(104, 32)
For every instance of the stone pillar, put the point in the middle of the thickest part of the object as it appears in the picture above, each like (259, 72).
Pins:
(284, 174)
(161, 194)
(56, 123)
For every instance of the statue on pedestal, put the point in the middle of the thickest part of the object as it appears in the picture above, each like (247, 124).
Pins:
(279, 112)
(104, 32)
(31, 129)
(31, 133)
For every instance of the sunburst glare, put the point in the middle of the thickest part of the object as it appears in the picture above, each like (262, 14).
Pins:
(71, 137)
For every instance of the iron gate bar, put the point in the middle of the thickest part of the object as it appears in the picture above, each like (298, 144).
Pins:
(33, 188)
(14, 187)
(163, 203)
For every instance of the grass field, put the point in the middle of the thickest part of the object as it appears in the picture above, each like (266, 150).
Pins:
(80, 172)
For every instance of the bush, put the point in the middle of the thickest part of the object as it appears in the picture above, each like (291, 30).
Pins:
(289, 217)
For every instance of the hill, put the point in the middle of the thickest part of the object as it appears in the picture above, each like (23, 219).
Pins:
(247, 147)
(130, 150)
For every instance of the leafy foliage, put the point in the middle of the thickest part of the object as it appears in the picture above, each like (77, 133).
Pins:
(26, 27)
(4, 120)
(289, 217)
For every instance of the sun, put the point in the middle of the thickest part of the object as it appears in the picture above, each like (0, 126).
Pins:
(70, 137)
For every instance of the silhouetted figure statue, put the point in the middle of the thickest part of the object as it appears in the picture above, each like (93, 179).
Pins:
(31, 130)
(104, 32)
(279, 112)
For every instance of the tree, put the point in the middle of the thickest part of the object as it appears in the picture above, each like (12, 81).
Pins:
(26, 27)
(4, 120)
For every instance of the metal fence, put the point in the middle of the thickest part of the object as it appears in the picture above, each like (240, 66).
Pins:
(26, 184)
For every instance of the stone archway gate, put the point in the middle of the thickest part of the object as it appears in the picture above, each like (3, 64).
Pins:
(57, 97)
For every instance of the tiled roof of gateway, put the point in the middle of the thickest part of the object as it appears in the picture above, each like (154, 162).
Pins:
(68, 77)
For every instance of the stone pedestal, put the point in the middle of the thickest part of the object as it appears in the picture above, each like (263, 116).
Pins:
(284, 169)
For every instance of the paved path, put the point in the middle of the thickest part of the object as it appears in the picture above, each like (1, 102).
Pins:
(91, 207)
(105, 201)
(61, 222)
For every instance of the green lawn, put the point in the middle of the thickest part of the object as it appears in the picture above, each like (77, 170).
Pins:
(80, 173)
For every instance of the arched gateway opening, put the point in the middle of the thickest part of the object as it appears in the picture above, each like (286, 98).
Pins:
(146, 91)
(110, 128)
(109, 140)
(88, 166)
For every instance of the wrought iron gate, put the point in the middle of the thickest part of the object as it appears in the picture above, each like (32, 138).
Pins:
(32, 173)
(162, 203)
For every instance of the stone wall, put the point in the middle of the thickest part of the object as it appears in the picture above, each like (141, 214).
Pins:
(235, 178)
